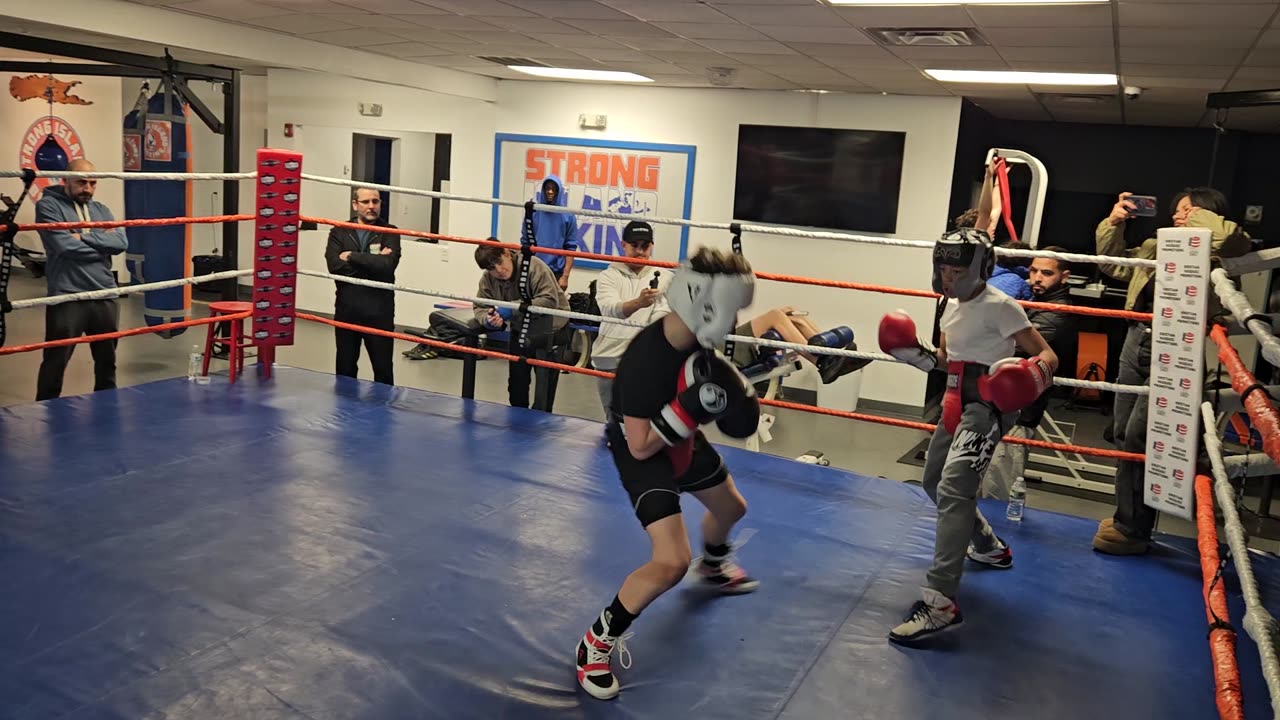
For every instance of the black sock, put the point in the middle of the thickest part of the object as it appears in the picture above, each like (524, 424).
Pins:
(713, 555)
(617, 617)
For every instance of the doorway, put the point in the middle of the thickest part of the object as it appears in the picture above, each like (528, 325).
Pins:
(371, 162)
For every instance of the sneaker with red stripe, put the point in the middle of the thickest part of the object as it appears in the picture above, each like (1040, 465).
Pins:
(727, 577)
(595, 674)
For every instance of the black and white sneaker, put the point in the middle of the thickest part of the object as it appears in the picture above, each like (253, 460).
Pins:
(595, 671)
(932, 615)
(1000, 557)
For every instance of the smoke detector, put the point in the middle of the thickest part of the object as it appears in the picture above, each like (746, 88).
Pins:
(721, 76)
(926, 37)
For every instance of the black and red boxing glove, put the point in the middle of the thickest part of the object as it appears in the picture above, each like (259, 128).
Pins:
(898, 338)
(1014, 384)
(709, 388)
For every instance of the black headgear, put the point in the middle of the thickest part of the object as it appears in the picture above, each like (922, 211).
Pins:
(968, 248)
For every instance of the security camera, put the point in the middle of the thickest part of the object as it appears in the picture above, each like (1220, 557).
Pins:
(1132, 92)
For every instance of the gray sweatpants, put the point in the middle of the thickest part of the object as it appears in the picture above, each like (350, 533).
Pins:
(953, 470)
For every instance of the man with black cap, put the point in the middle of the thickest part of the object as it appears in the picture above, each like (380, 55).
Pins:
(630, 291)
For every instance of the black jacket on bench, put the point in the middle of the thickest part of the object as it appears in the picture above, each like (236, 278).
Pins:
(357, 302)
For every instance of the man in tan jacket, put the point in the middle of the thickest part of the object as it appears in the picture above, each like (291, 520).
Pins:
(1128, 532)
(501, 281)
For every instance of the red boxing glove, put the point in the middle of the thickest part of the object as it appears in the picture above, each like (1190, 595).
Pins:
(1013, 384)
(898, 338)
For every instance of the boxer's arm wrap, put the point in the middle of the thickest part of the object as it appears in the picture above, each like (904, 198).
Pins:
(674, 423)
(898, 339)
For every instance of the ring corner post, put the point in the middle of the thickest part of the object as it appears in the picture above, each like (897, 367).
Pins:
(275, 252)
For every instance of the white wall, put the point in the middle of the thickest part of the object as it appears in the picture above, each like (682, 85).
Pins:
(708, 119)
(206, 156)
(99, 126)
(323, 111)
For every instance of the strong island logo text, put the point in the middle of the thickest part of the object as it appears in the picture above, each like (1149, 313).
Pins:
(34, 137)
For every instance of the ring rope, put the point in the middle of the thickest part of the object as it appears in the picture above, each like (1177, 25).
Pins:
(778, 344)
(797, 279)
(150, 329)
(1222, 637)
(116, 175)
(1261, 411)
(762, 229)
(921, 426)
(110, 293)
(138, 222)
(1239, 305)
(1259, 623)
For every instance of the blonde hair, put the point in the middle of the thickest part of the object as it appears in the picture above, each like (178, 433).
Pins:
(710, 261)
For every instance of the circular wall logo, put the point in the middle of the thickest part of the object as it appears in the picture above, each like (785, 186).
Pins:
(33, 138)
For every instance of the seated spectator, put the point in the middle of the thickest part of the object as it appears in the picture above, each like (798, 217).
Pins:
(788, 324)
(1010, 273)
(546, 332)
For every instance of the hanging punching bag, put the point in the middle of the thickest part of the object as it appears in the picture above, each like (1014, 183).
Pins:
(167, 250)
(135, 191)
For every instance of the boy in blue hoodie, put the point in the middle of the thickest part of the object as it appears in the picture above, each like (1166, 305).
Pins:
(554, 230)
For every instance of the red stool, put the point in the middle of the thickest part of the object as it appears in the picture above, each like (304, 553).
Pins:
(236, 340)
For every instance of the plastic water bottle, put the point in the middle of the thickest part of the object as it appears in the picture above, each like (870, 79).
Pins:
(195, 367)
(1017, 500)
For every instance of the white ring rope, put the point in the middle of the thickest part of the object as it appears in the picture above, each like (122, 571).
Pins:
(63, 174)
(1239, 305)
(127, 290)
(812, 349)
(762, 229)
(1259, 623)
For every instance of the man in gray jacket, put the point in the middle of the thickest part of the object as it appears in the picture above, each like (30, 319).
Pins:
(79, 260)
(546, 332)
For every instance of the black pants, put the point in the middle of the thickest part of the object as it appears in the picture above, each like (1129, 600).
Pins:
(1132, 516)
(544, 346)
(70, 320)
(379, 348)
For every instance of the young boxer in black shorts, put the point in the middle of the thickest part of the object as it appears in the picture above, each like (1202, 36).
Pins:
(669, 382)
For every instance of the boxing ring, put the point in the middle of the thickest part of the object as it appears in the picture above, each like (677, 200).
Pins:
(316, 546)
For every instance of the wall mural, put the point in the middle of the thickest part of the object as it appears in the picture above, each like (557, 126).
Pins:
(50, 142)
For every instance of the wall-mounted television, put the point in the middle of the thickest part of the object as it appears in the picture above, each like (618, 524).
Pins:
(819, 177)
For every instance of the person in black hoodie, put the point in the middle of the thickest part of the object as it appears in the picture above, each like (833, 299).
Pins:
(368, 255)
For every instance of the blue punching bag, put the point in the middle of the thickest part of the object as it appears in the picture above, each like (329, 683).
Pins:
(166, 250)
(50, 156)
(135, 192)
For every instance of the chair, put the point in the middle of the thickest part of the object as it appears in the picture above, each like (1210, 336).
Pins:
(236, 340)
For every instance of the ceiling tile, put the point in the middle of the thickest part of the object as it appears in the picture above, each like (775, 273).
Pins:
(1057, 66)
(1263, 57)
(299, 24)
(696, 60)
(661, 44)
(529, 25)
(947, 53)
(989, 16)
(362, 20)
(311, 7)
(423, 34)
(812, 15)
(491, 8)
(651, 11)
(574, 42)
(569, 9)
(803, 33)
(405, 49)
(349, 38)
(456, 22)
(1201, 14)
(713, 31)
(1014, 109)
(1270, 38)
(948, 64)
(747, 46)
(1100, 54)
(1176, 55)
(227, 9)
(1212, 72)
(1056, 37)
(811, 76)
(840, 50)
(928, 17)
(390, 7)
(1255, 78)
(771, 62)
(616, 53)
(619, 28)
(1174, 38)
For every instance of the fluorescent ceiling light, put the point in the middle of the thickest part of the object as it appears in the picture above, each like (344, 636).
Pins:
(576, 74)
(967, 2)
(1013, 77)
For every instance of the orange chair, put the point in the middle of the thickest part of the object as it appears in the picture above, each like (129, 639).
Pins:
(237, 341)
(1091, 364)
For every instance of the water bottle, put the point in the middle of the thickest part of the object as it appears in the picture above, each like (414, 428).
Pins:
(195, 367)
(1017, 500)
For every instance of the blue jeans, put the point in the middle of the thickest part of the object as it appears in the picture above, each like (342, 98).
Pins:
(1132, 516)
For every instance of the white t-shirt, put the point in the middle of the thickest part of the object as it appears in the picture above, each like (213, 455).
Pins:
(981, 330)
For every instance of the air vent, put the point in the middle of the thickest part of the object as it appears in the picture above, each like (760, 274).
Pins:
(517, 61)
(1076, 98)
(927, 37)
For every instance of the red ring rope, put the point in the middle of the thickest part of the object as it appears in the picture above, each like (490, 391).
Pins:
(1222, 640)
(924, 427)
(1258, 405)
(13, 349)
(143, 222)
(797, 279)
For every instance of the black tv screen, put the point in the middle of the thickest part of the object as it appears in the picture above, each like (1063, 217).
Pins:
(819, 177)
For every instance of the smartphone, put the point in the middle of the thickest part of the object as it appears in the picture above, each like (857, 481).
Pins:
(1144, 205)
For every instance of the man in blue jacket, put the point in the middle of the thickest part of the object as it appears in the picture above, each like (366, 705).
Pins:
(79, 260)
(554, 230)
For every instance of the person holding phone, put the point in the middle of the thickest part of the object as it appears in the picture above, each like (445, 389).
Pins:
(1128, 531)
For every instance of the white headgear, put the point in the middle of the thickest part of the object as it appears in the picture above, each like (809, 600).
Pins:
(709, 303)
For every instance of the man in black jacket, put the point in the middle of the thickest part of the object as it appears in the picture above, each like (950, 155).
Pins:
(1048, 280)
(368, 255)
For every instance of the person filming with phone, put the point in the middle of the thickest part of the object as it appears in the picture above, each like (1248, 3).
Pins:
(1128, 532)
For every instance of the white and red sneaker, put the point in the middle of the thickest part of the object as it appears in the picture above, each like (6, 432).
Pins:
(595, 673)
(934, 614)
(1000, 556)
(727, 577)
